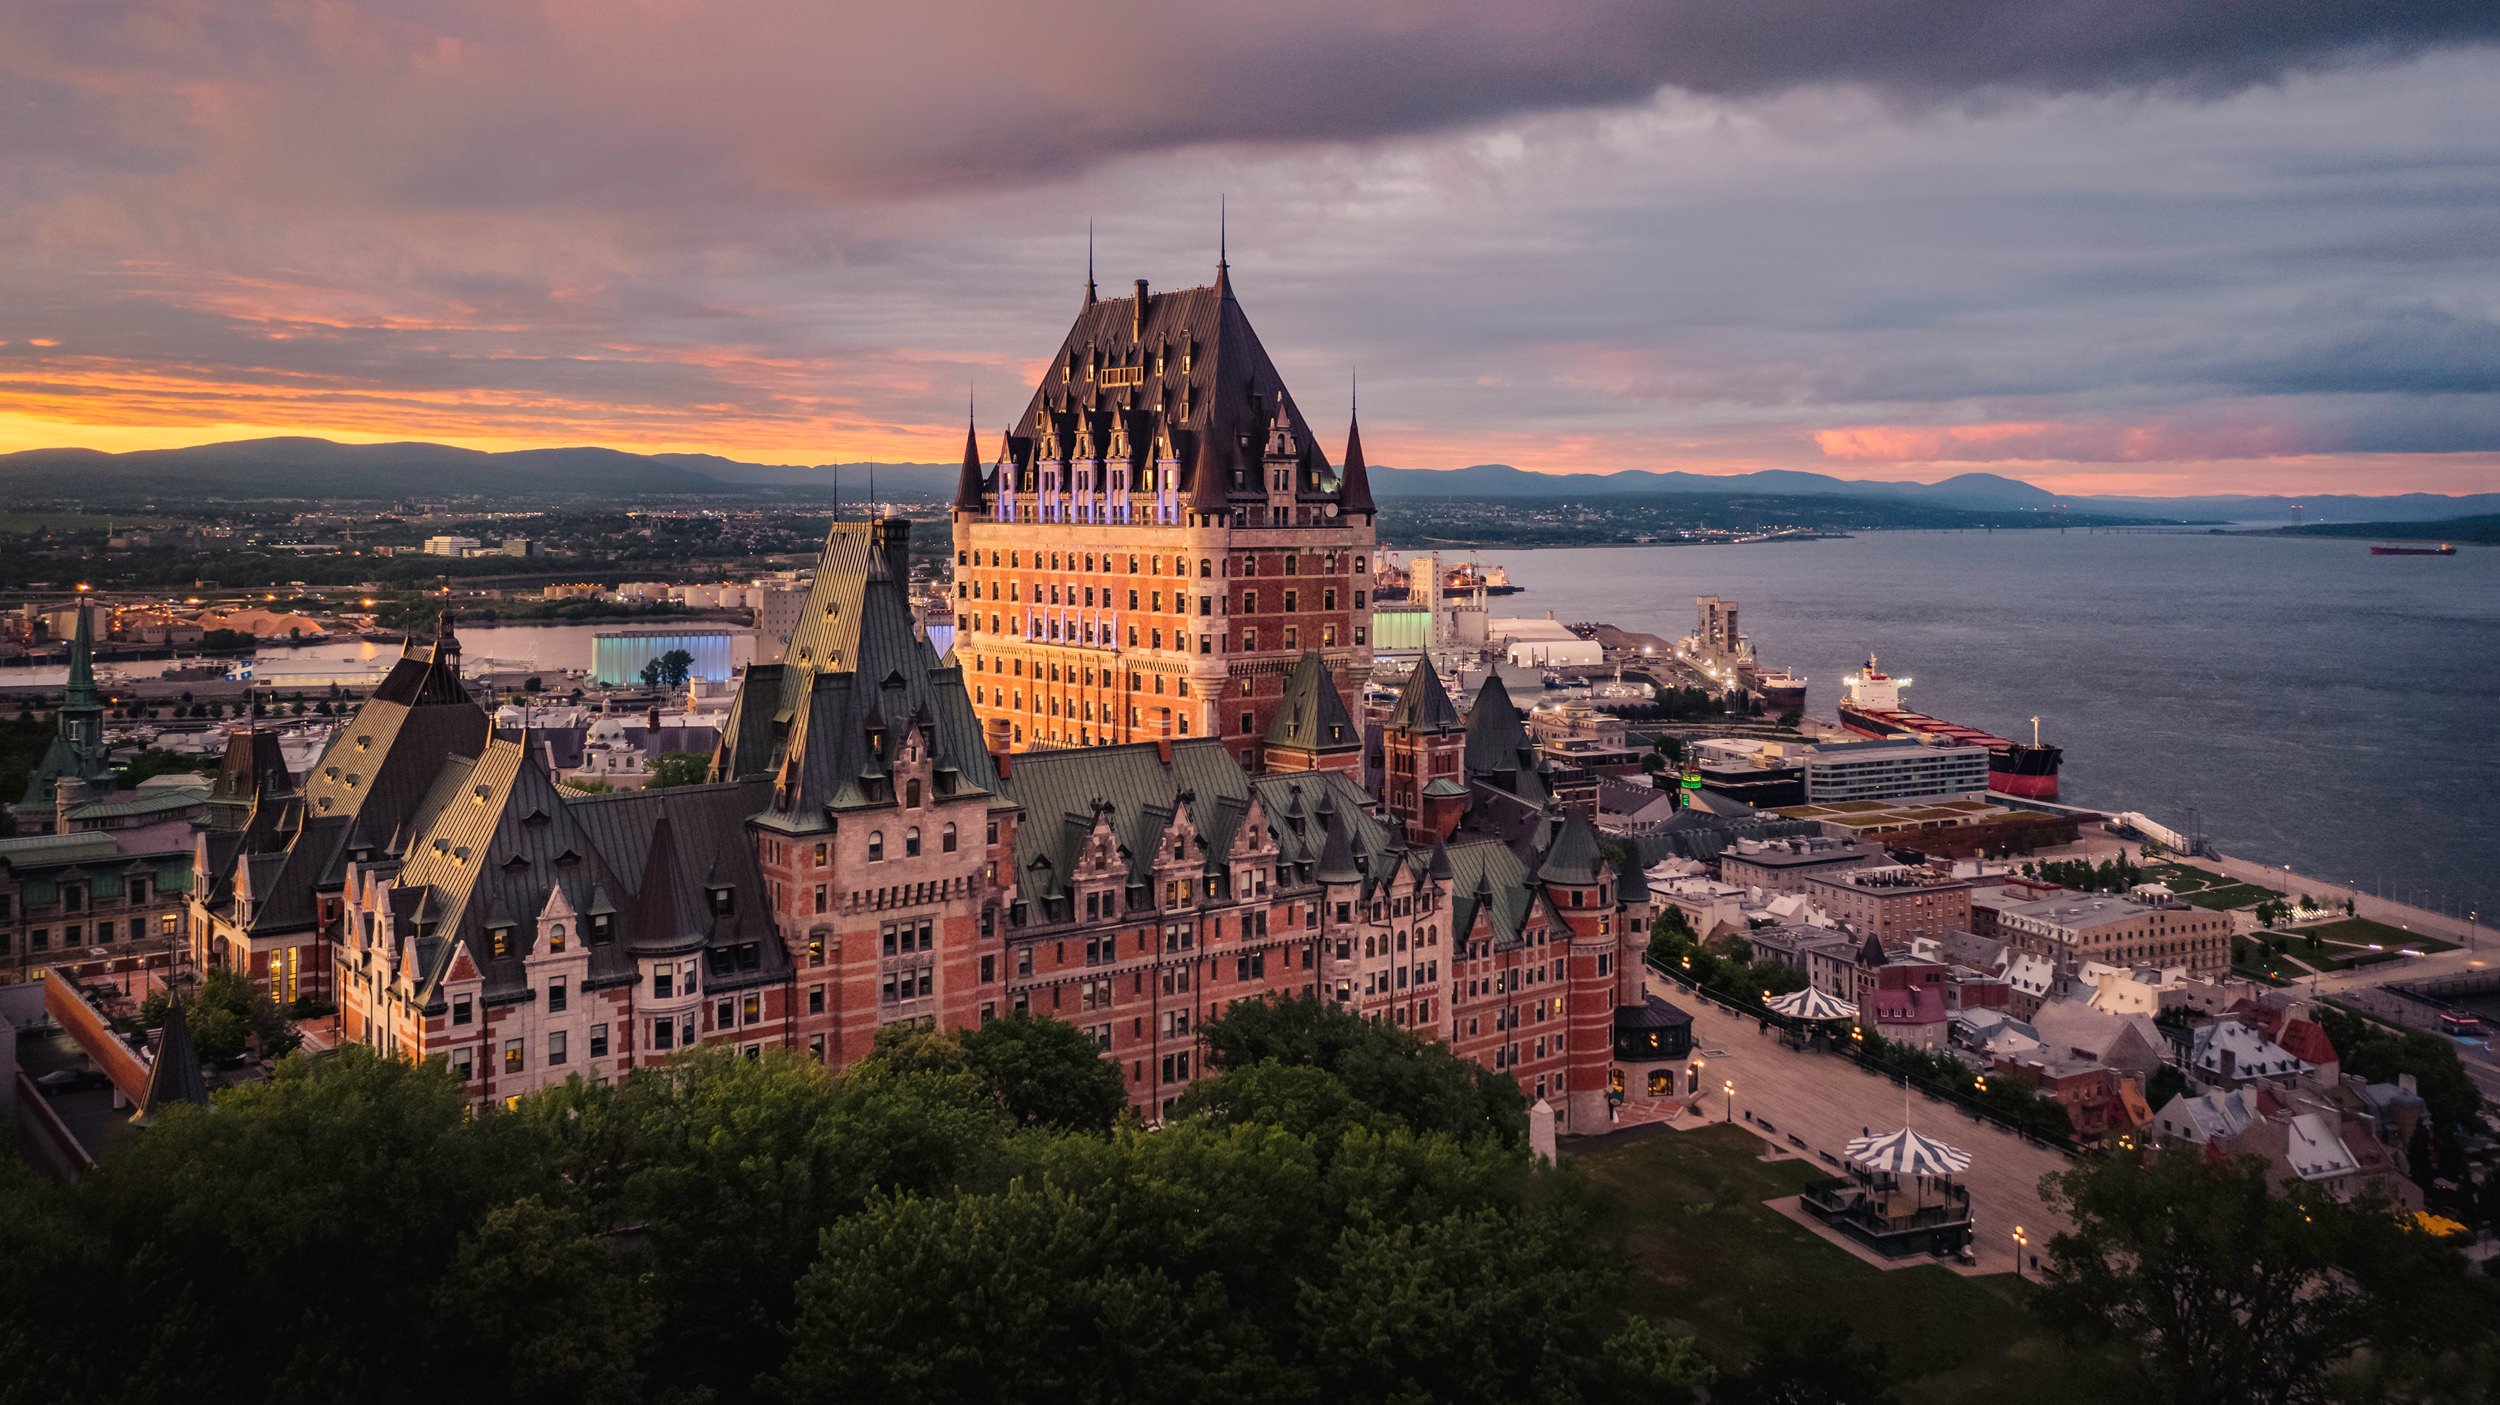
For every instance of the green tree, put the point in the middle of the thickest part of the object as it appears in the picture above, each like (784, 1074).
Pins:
(652, 674)
(1808, 1359)
(676, 768)
(675, 666)
(546, 1312)
(1039, 1071)
(2226, 1288)
(355, 1173)
(153, 762)
(227, 1014)
(1418, 1081)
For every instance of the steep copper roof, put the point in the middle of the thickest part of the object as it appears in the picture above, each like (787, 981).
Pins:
(1423, 704)
(969, 494)
(1177, 376)
(1355, 492)
(1311, 716)
(827, 723)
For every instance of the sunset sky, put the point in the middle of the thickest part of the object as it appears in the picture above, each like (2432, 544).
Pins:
(2134, 246)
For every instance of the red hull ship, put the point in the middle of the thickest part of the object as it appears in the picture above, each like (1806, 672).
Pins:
(1870, 706)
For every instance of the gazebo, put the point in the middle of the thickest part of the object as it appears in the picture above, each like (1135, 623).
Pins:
(1812, 1004)
(1898, 1196)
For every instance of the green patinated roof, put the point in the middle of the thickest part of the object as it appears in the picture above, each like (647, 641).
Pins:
(1423, 704)
(829, 722)
(1134, 796)
(1575, 856)
(1490, 894)
(1311, 716)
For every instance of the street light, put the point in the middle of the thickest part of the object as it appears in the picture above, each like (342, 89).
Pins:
(2022, 1243)
(1729, 1088)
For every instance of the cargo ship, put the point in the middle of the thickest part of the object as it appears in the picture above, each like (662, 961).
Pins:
(1870, 705)
(2443, 549)
(1781, 691)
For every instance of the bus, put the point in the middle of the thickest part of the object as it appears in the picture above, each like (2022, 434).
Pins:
(2460, 1024)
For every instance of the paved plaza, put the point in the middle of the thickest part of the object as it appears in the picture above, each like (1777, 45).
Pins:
(1825, 1101)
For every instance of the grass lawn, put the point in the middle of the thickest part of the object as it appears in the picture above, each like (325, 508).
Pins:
(1711, 1256)
(2267, 971)
(2186, 878)
(2228, 896)
(2361, 931)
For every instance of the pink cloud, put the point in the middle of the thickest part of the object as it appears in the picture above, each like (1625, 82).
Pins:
(2051, 441)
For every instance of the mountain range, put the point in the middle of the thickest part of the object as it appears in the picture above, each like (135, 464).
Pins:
(261, 470)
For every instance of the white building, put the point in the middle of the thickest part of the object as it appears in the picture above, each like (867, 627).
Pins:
(453, 546)
(1904, 770)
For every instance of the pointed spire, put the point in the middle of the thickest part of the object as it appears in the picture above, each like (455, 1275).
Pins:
(1311, 716)
(656, 931)
(1336, 857)
(82, 654)
(968, 494)
(446, 643)
(175, 1076)
(1354, 483)
(1575, 855)
(1223, 265)
(1423, 704)
(1089, 264)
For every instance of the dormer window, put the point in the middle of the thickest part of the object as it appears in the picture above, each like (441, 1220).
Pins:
(555, 937)
(500, 939)
(602, 926)
(723, 900)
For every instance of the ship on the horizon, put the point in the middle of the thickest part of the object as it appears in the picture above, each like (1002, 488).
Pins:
(1870, 705)
(2443, 549)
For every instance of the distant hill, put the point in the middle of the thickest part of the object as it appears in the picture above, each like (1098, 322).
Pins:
(2482, 530)
(262, 470)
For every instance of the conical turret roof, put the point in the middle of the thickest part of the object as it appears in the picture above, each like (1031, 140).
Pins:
(175, 1077)
(1575, 855)
(1423, 704)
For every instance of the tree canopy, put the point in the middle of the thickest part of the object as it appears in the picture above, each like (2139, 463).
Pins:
(2227, 1288)
(963, 1216)
(674, 768)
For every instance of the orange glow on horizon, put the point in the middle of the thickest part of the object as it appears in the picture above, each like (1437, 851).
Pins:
(778, 411)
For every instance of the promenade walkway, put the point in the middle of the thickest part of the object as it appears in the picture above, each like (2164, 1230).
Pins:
(1825, 1101)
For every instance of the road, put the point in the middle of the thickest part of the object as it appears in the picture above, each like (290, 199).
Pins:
(1828, 1100)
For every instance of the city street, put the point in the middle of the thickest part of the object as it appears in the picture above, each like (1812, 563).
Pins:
(1826, 1101)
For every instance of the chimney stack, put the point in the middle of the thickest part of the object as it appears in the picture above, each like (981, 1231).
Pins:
(1137, 318)
(994, 738)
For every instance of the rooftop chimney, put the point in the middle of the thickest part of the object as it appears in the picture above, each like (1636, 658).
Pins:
(1137, 317)
(994, 738)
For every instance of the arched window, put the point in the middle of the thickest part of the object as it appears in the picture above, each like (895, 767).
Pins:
(911, 795)
(876, 846)
(911, 842)
(946, 839)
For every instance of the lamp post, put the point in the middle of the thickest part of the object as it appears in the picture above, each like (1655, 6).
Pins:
(2022, 1243)
(1729, 1088)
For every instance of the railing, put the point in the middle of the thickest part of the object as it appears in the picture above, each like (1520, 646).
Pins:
(49, 1141)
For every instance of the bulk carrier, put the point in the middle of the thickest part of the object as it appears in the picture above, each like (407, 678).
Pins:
(1870, 705)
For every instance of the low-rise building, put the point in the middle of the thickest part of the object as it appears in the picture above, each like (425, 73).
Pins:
(2074, 929)
(1789, 865)
(1896, 902)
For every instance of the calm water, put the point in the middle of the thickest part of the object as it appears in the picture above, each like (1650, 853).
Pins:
(2320, 706)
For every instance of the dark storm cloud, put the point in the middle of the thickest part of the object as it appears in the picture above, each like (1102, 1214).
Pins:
(444, 104)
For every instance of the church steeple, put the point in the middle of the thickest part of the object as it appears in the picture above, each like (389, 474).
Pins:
(1090, 299)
